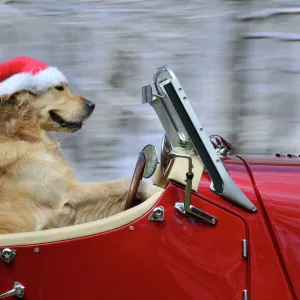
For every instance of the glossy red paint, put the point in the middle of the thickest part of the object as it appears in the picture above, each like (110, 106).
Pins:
(268, 276)
(181, 258)
(177, 259)
(278, 183)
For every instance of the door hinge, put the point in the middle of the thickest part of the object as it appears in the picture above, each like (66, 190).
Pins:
(245, 248)
(157, 214)
(245, 295)
(7, 255)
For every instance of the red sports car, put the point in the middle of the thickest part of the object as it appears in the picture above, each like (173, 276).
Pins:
(224, 227)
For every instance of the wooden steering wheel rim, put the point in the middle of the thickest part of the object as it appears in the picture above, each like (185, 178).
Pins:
(135, 182)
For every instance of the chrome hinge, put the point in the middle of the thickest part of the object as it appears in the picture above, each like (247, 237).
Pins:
(18, 290)
(196, 213)
(245, 295)
(7, 255)
(244, 249)
(158, 214)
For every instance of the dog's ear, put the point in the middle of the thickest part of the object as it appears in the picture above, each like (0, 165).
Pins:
(23, 97)
(18, 98)
(4, 98)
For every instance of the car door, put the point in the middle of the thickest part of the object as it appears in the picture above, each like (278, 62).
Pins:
(177, 258)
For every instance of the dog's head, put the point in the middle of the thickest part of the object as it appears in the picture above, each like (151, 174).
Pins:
(61, 110)
(57, 109)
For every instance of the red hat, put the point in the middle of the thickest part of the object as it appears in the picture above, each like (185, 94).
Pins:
(26, 73)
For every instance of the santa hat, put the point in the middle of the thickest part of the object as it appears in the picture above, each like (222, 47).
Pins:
(26, 73)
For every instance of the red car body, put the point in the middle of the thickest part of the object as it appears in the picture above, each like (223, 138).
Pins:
(182, 258)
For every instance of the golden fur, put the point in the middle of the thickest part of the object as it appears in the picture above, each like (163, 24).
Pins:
(38, 189)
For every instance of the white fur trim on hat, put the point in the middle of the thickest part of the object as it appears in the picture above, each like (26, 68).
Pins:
(36, 84)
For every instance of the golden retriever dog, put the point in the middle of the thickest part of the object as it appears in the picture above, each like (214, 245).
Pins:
(38, 189)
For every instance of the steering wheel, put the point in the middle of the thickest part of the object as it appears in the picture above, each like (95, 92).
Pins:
(131, 200)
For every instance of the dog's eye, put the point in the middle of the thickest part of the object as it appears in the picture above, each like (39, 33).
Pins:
(60, 88)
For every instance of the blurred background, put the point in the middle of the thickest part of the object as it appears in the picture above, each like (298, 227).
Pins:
(238, 61)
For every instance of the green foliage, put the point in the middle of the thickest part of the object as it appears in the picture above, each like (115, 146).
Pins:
(188, 145)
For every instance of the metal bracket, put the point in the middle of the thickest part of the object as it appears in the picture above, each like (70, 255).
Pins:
(7, 255)
(244, 249)
(157, 215)
(18, 290)
(186, 208)
(196, 213)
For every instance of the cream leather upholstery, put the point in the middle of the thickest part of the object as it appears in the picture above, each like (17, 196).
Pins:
(178, 170)
(76, 231)
(176, 173)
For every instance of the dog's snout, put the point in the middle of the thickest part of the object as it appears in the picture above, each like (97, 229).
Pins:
(90, 105)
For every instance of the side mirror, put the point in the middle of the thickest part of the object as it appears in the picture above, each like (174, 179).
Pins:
(151, 160)
(165, 154)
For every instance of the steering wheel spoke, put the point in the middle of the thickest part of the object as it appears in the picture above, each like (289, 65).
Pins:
(131, 200)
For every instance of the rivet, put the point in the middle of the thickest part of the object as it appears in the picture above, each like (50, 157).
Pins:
(180, 89)
(201, 129)
(36, 250)
(184, 98)
(217, 160)
(131, 228)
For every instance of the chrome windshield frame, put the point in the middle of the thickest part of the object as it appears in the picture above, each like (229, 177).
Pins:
(181, 123)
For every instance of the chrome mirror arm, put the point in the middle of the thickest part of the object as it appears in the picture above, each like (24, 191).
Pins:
(186, 208)
(189, 179)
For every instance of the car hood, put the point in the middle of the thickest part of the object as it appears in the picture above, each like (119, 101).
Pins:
(277, 183)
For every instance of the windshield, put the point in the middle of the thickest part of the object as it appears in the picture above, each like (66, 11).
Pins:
(181, 124)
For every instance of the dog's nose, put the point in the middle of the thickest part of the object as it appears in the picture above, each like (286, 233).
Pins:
(90, 105)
